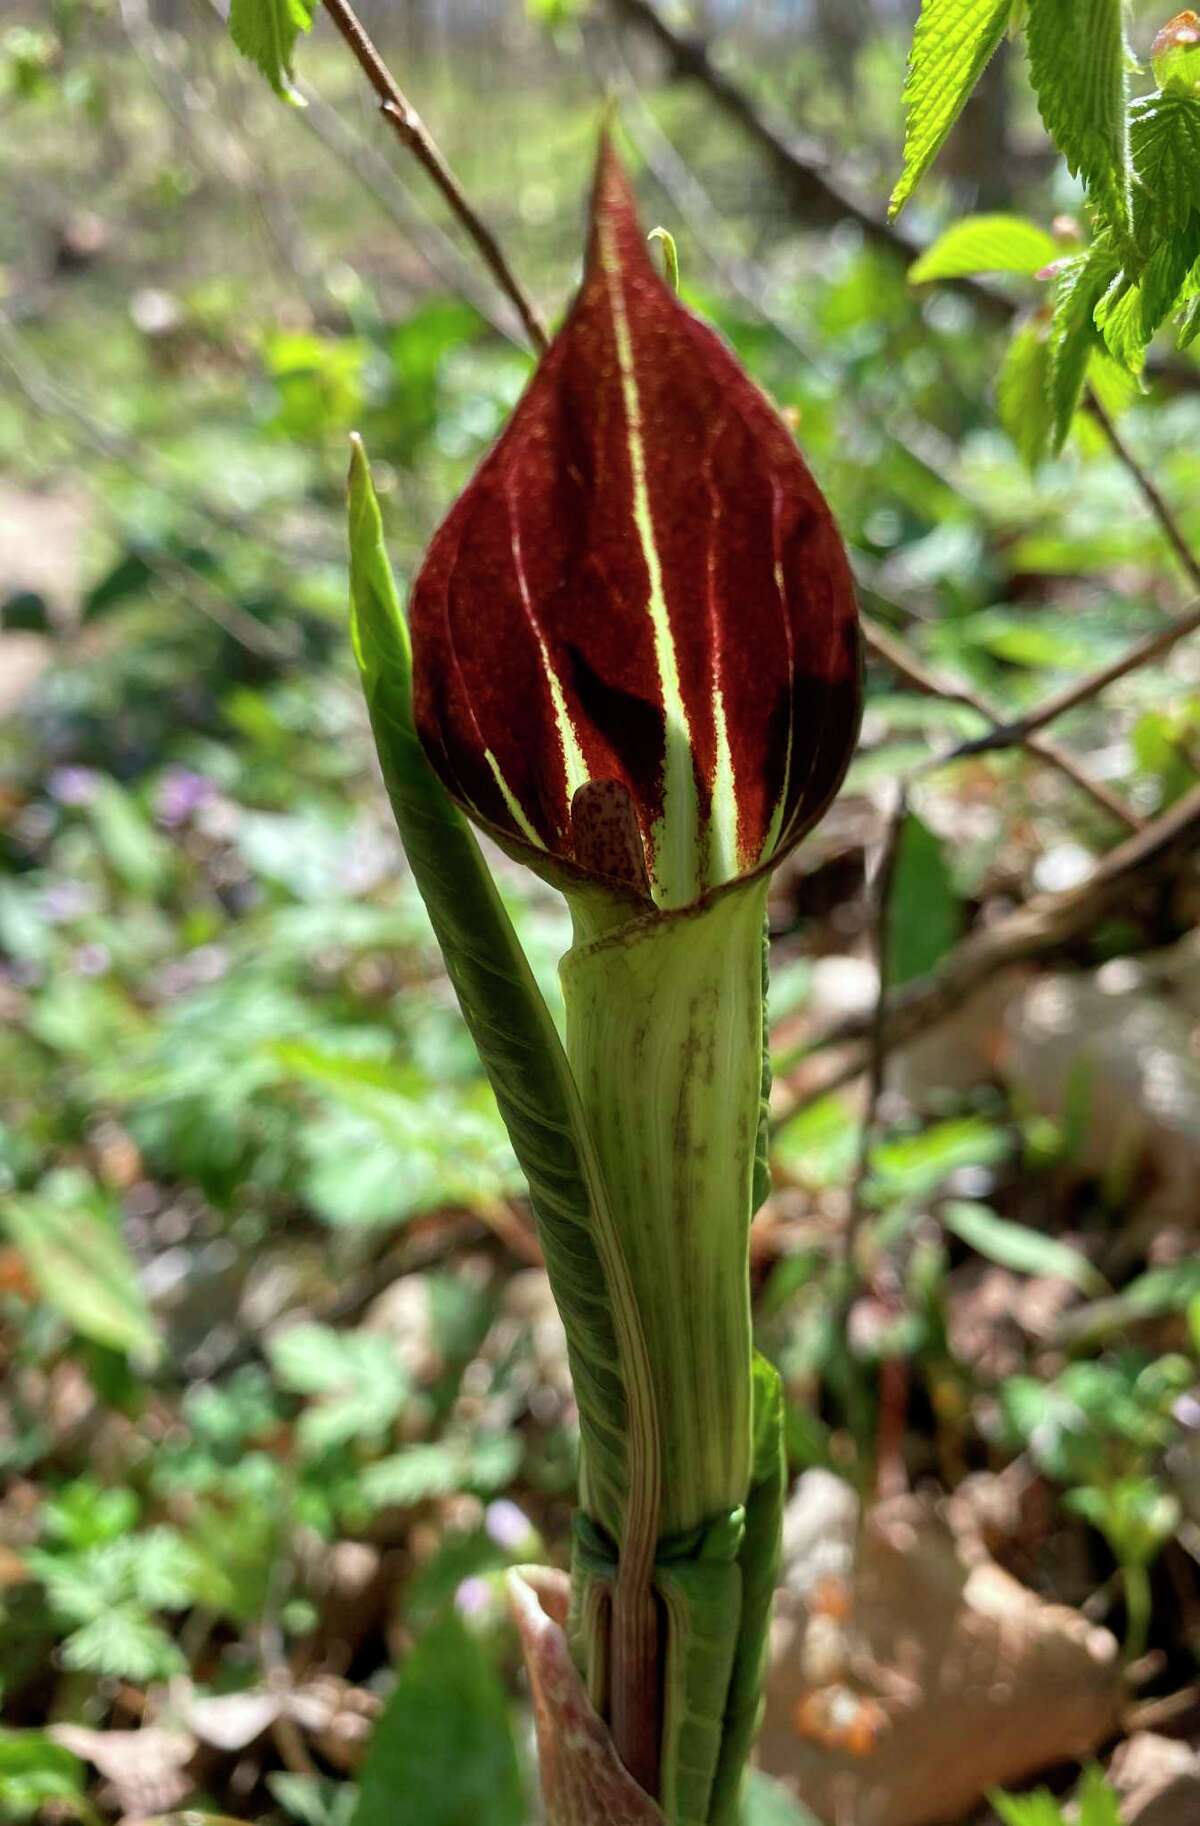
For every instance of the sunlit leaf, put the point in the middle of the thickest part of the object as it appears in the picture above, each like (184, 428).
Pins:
(952, 44)
(1078, 64)
(265, 31)
(985, 244)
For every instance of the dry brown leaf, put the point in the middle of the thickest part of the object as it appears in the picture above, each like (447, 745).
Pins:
(1158, 1780)
(584, 1782)
(145, 1769)
(934, 1676)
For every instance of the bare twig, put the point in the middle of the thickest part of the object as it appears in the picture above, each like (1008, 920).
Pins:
(1020, 730)
(894, 654)
(380, 183)
(412, 133)
(803, 174)
(1150, 492)
(1045, 925)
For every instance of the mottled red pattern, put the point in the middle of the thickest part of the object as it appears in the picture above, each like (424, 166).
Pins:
(734, 508)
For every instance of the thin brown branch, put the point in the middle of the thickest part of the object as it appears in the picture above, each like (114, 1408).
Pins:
(1150, 492)
(894, 654)
(1021, 729)
(413, 134)
(813, 190)
(1043, 926)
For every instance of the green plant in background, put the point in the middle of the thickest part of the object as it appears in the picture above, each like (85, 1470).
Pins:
(636, 668)
(1094, 1804)
(1101, 1429)
(1139, 163)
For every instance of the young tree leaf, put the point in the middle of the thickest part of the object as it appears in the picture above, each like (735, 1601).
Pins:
(924, 913)
(1078, 62)
(265, 31)
(985, 244)
(505, 1013)
(442, 1753)
(1074, 338)
(1164, 135)
(1175, 54)
(1023, 394)
(952, 44)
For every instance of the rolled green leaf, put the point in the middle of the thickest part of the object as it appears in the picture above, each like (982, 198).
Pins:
(758, 1559)
(503, 1009)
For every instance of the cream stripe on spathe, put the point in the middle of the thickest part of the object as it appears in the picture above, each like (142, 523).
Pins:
(574, 766)
(675, 865)
(722, 858)
(515, 811)
(775, 829)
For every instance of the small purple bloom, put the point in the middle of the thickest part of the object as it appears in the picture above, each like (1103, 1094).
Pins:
(63, 902)
(90, 960)
(73, 785)
(508, 1526)
(473, 1597)
(181, 793)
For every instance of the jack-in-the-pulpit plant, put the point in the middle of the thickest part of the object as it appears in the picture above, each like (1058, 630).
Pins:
(634, 664)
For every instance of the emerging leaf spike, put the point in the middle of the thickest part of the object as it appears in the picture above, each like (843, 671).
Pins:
(642, 585)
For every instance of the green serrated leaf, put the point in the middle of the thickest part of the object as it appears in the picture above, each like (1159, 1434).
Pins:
(1015, 1246)
(442, 1753)
(414, 1476)
(1164, 136)
(504, 1011)
(358, 1376)
(266, 31)
(126, 1644)
(986, 244)
(952, 44)
(1119, 320)
(1074, 338)
(1078, 64)
(1023, 395)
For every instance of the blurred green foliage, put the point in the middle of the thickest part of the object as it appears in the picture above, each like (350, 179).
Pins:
(266, 1289)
